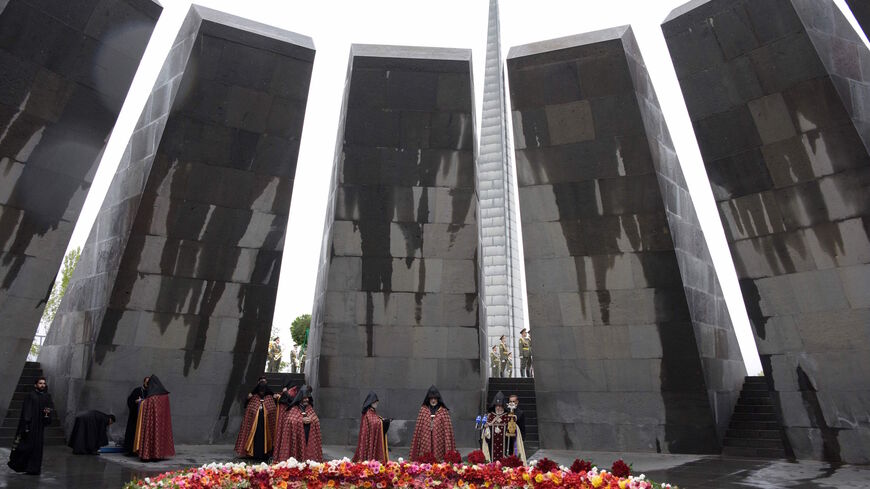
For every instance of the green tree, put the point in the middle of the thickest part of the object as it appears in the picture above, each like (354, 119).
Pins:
(69, 265)
(298, 329)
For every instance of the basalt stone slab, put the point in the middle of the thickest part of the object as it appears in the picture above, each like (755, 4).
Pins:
(396, 303)
(861, 10)
(64, 73)
(179, 274)
(634, 345)
(785, 146)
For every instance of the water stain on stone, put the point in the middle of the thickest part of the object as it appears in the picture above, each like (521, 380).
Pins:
(810, 396)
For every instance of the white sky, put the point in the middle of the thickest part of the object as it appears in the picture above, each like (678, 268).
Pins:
(335, 24)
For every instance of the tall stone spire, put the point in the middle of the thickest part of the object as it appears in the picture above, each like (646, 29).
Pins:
(503, 300)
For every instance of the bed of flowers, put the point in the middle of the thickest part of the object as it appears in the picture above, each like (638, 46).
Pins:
(344, 474)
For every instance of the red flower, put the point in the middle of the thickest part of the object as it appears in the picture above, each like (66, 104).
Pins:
(476, 457)
(620, 469)
(427, 458)
(580, 466)
(453, 457)
(546, 465)
(512, 461)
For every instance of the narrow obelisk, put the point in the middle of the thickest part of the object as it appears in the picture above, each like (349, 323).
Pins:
(503, 300)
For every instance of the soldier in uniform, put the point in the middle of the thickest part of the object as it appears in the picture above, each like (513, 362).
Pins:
(509, 365)
(525, 354)
(293, 368)
(494, 364)
(302, 360)
(503, 357)
(275, 355)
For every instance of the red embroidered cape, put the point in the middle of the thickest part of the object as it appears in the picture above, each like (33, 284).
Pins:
(496, 442)
(245, 440)
(154, 429)
(372, 442)
(432, 434)
(291, 439)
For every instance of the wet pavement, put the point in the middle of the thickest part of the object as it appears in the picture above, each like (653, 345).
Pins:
(62, 469)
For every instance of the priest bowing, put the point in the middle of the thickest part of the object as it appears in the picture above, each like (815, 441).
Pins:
(300, 430)
(89, 432)
(372, 442)
(153, 439)
(433, 433)
(257, 433)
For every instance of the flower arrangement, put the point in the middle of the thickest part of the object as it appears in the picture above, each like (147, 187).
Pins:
(344, 474)
(581, 465)
(620, 469)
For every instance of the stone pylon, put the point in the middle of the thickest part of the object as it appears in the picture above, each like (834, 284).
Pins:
(502, 292)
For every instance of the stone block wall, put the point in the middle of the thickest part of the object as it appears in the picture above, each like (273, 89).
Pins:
(777, 92)
(179, 274)
(396, 305)
(64, 72)
(634, 347)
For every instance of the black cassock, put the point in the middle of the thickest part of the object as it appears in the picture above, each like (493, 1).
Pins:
(89, 433)
(133, 407)
(26, 454)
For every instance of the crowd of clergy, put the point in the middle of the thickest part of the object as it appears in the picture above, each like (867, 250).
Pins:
(276, 426)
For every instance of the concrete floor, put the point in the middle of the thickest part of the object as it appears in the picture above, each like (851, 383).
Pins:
(61, 469)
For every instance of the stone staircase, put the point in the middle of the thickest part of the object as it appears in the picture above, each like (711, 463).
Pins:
(525, 389)
(754, 430)
(53, 433)
(276, 381)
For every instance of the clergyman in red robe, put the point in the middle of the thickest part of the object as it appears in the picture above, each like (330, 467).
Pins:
(300, 431)
(433, 433)
(372, 442)
(257, 433)
(154, 424)
(501, 433)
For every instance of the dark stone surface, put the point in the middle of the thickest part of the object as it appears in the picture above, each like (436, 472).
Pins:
(64, 71)
(634, 345)
(784, 136)
(396, 304)
(861, 10)
(180, 272)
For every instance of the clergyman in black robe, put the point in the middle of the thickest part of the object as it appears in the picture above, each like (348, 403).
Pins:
(26, 455)
(133, 401)
(89, 432)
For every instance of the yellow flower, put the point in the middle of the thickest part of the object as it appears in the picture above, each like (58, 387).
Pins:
(623, 483)
(331, 483)
(596, 481)
(539, 478)
(526, 477)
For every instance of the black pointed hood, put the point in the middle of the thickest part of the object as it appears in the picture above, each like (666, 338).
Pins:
(304, 392)
(433, 392)
(155, 387)
(498, 400)
(266, 392)
(371, 398)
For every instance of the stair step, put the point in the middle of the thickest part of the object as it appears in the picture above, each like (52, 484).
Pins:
(754, 378)
(756, 434)
(770, 453)
(755, 393)
(756, 386)
(755, 401)
(760, 409)
(759, 417)
(753, 425)
(752, 442)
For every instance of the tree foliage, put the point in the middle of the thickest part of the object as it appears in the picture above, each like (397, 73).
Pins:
(59, 289)
(298, 329)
